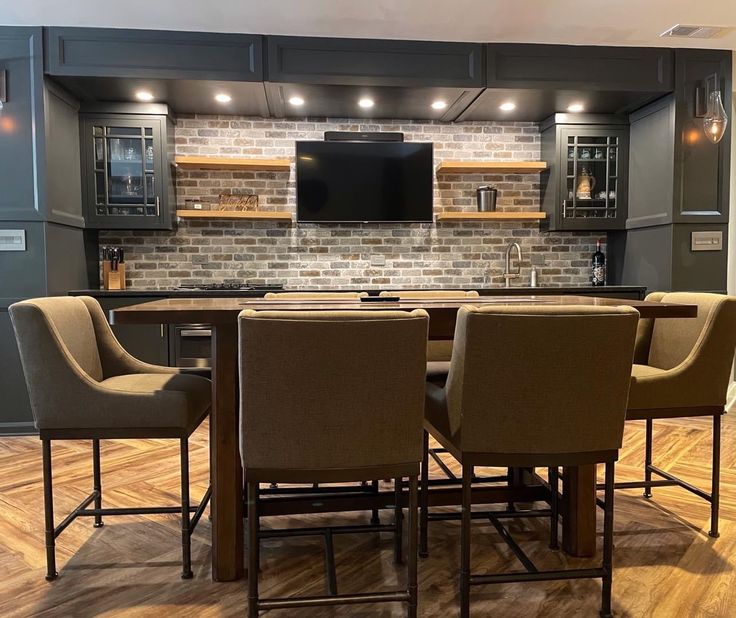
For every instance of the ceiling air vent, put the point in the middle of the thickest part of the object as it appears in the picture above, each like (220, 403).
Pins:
(695, 32)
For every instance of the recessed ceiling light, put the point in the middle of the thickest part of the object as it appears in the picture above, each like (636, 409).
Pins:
(144, 95)
(296, 101)
(439, 105)
(508, 106)
(574, 108)
(223, 98)
(366, 103)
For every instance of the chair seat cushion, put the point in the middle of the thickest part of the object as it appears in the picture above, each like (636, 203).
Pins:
(157, 400)
(437, 371)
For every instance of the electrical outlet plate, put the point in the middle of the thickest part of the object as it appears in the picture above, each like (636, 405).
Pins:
(706, 241)
(378, 260)
(12, 240)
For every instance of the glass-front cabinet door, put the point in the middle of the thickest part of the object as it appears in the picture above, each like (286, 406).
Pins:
(593, 184)
(126, 175)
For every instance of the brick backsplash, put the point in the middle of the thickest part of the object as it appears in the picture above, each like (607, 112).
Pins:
(347, 256)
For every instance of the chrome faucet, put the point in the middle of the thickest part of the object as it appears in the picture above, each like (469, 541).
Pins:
(508, 275)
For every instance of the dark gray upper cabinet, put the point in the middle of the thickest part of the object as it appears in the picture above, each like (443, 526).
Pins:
(369, 62)
(107, 52)
(21, 56)
(403, 77)
(677, 174)
(701, 168)
(127, 158)
(576, 66)
(584, 148)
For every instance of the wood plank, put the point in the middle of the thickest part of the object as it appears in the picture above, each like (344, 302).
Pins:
(252, 215)
(491, 167)
(491, 216)
(579, 511)
(232, 163)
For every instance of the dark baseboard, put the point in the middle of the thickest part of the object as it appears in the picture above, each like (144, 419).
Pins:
(20, 428)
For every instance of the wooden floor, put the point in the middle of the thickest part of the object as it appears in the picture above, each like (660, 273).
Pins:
(666, 565)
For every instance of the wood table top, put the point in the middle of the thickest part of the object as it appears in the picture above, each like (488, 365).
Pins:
(220, 310)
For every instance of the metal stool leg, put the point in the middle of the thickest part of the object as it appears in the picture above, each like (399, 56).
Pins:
(554, 483)
(648, 459)
(412, 561)
(608, 542)
(97, 480)
(424, 500)
(398, 522)
(186, 572)
(465, 542)
(375, 516)
(715, 495)
(48, 503)
(253, 550)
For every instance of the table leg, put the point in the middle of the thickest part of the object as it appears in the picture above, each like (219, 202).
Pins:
(578, 520)
(225, 465)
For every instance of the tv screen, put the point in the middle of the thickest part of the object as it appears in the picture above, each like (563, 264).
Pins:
(363, 181)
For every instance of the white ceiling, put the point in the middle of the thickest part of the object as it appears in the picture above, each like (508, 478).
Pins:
(602, 22)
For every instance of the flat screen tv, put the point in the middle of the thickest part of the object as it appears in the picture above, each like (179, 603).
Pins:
(363, 182)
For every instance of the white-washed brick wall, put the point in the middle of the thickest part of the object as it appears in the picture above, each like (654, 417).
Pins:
(339, 256)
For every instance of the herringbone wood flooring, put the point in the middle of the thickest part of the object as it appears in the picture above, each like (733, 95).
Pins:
(666, 565)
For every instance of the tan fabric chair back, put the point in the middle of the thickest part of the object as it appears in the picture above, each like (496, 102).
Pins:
(420, 294)
(64, 320)
(436, 350)
(708, 339)
(313, 295)
(327, 390)
(541, 380)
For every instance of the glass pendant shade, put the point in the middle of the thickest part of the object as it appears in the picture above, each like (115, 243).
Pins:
(715, 120)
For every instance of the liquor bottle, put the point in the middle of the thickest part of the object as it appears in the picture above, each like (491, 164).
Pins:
(598, 266)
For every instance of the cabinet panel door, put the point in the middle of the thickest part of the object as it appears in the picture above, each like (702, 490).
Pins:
(21, 122)
(314, 60)
(124, 167)
(593, 178)
(573, 66)
(105, 52)
(702, 169)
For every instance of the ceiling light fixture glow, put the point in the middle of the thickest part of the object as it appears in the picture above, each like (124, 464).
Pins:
(575, 108)
(507, 107)
(439, 105)
(366, 103)
(223, 98)
(296, 101)
(144, 95)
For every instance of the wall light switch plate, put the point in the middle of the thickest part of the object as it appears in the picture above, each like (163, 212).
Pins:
(378, 260)
(12, 240)
(706, 241)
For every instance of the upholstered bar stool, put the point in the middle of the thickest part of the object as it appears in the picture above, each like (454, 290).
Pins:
(525, 389)
(84, 386)
(438, 352)
(332, 397)
(683, 369)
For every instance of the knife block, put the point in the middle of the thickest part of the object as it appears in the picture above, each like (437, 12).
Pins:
(113, 279)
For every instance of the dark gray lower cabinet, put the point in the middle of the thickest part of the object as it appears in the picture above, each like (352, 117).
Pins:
(15, 409)
(147, 342)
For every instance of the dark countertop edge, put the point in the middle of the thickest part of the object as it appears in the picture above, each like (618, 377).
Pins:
(496, 291)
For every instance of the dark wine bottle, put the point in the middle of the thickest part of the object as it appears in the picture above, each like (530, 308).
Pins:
(598, 266)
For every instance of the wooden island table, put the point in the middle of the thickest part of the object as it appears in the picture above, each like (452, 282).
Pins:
(579, 517)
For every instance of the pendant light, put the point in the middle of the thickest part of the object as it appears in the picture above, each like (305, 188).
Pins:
(715, 119)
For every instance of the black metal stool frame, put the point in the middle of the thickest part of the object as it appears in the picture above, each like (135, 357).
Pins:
(188, 522)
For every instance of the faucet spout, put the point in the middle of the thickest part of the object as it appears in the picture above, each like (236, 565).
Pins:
(509, 274)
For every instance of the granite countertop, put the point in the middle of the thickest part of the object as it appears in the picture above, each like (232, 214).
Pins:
(495, 291)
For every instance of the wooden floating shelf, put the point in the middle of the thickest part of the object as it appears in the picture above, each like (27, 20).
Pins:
(252, 215)
(230, 163)
(491, 216)
(491, 167)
